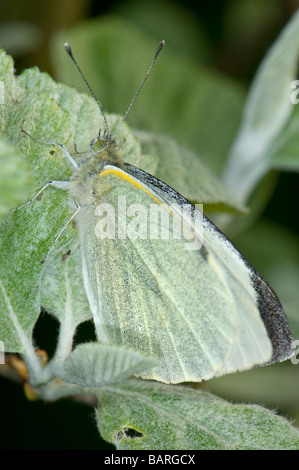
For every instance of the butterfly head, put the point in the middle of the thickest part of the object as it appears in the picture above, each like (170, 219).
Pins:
(102, 142)
(105, 140)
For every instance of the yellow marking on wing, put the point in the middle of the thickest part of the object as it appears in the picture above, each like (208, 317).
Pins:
(126, 177)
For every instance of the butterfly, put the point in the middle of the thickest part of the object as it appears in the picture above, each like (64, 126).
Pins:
(160, 277)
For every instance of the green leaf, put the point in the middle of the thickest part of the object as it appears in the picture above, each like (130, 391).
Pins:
(284, 152)
(146, 415)
(267, 111)
(62, 294)
(27, 233)
(9, 88)
(181, 169)
(95, 365)
(15, 177)
(62, 290)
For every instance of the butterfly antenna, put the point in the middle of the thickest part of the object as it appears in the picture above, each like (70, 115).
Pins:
(160, 47)
(69, 51)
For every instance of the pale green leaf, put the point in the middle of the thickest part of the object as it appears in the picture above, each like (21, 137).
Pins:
(148, 415)
(95, 364)
(15, 177)
(62, 291)
(27, 233)
(62, 294)
(284, 152)
(267, 111)
(9, 88)
(183, 170)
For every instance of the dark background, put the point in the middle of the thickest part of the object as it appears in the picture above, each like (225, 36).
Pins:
(65, 424)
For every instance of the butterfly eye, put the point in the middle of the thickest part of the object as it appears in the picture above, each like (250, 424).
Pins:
(98, 145)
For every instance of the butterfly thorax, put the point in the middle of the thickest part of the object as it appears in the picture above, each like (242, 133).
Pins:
(83, 186)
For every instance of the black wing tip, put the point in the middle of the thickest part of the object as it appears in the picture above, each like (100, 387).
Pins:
(275, 320)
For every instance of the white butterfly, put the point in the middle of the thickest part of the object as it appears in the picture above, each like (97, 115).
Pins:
(204, 312)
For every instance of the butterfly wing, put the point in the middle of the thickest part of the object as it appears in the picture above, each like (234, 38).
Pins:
(197, 310)
(269, 306)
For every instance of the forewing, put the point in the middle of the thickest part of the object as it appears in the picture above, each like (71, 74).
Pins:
(235, 267)
(157, 296)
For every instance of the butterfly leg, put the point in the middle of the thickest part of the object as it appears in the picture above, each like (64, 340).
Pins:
(52, 142)
(57, 184)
